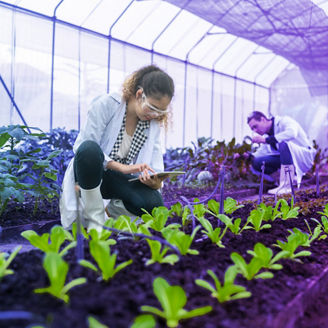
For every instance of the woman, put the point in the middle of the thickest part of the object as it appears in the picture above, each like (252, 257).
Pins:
(121, 138)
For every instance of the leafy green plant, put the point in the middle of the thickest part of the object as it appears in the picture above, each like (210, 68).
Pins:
(214, 235)
(323, 225)
(226, 292)
(250, 270)
(158, 219)
(229, 205)
(57, 270)
(94, 323)
(58, 235)
(288, 212)
(265, 255)
(296, 239)
(257, 217)
(144, 321)
(172, 299)
(5, 261)
(158, 254)
(106, 261)
(181, 240)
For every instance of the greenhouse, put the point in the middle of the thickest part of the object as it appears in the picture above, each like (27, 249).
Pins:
(164, 163)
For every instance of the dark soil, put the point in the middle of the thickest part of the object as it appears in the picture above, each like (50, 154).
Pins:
(117, 302)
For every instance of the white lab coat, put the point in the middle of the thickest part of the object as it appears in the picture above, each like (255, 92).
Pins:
(288, 130)
(104, 121)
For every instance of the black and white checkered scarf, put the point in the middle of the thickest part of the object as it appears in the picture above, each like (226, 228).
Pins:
(138, 141)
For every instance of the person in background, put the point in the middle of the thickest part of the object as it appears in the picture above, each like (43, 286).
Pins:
(121, 138)
(283, 144)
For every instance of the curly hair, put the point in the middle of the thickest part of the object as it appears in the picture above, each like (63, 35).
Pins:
(154, 82)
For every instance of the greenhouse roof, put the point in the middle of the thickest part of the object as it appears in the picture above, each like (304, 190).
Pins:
(253, 40)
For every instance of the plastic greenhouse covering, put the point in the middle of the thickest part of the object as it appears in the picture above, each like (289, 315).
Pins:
(226, 57)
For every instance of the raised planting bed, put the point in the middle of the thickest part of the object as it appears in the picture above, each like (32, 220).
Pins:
(294, 297)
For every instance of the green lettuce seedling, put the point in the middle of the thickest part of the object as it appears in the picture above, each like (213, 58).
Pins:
(181, 240)
(173, 299)
(250, 270)
(288, 212)
(214, 235)
(256, 218)
(265, 255)
(57, 270)
(4, 263)
(229, 206)
(106, 261)
(296, 239)
(323, 225)
(158, 255)
(94, 323)
(58, 235)
(144, 321)
(158, 219)
(228, 291)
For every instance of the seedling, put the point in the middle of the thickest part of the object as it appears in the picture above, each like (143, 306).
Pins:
(157, 220)
(288, 212)
(158, 255)
(58, 235)
(57, 270)
(296, 239)
(250, 270)
(94, 323)
(322, 225)
(230, 206)
(106, 261)
(228, 291)
(173, 299)
(181, 240)
(256, 219)
(4, 263)
(265, 255)
(214, 235)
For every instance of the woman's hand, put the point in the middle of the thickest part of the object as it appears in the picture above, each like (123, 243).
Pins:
(129, 169)
(153, 181)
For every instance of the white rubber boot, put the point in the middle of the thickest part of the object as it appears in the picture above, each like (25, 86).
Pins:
(93, 208)
(284, 185)
(115, 208)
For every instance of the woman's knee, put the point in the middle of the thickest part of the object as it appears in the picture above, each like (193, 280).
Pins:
(88, 164)
(89, 154)
(256, 163)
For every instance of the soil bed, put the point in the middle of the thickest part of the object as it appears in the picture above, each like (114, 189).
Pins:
(117, 302)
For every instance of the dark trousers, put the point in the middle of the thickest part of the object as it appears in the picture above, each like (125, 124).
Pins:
(273, 162)
(89, 173)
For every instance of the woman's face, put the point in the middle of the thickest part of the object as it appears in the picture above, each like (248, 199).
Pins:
(150, 107)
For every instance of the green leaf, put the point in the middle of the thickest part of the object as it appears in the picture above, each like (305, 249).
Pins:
(144, 321)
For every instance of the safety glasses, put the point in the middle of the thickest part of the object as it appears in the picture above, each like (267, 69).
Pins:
(154, 111)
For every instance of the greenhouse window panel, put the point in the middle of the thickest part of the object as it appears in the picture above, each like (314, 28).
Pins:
(180, 37)
(323, 4)
(76, 11)
(41, 6)
(234, 56)
(270, 73)
(206, 51)
(133, 19)
(150, 26)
